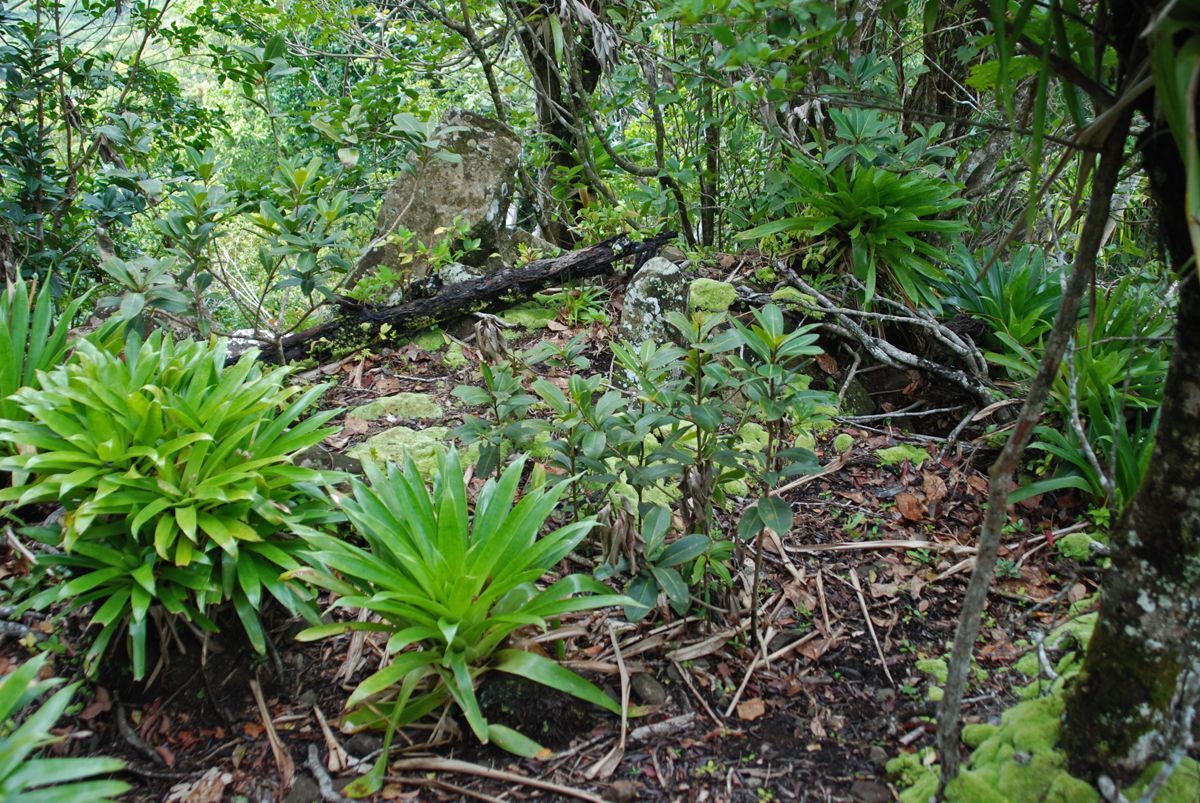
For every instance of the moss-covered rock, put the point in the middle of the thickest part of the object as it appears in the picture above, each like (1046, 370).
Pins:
(424, 446)
(455, 359)
(843, 443)
(1020, 759)
(404, 406)
(430, 340)
(766, 276)
(711, 295)
(857, 399)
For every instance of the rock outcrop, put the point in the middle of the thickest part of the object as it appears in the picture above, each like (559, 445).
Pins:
(472, 180)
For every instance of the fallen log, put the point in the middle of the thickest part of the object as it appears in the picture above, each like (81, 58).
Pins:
(358, 326)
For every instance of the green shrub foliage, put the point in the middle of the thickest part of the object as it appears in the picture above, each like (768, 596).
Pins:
(175, 471)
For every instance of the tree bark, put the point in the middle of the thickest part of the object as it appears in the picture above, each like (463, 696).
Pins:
(1147, 637)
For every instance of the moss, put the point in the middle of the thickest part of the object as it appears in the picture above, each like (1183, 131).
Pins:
(790, 296)
(529, 315)
(1076, 546)
(1182, 787)
(765, 275)
(455, 359)
(805, 440)
(405, 406)
(917, 779)
(975, 734)
(752, 437)
(895, 455)
(711, 295)
(430, 340)
(843, 443)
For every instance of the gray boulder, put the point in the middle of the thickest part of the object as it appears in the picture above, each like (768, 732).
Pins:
(659, 287)
(475, 183)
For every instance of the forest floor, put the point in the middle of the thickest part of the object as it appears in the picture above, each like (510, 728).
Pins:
(862, 599)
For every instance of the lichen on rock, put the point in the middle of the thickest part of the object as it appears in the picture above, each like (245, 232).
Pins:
(424, 446)
(404, 406)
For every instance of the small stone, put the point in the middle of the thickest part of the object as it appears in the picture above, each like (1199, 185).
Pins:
(304, 789)
(878, 756)
(307, 698)
(363, 744)
(869, 792)
(674, 254)
(621, 791)
(647, 689)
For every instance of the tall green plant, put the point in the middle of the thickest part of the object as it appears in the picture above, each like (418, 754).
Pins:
(31, 340)
(176, 474)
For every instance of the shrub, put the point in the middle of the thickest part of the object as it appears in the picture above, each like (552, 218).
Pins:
(176, 474)
(24, 775)
(449, 589)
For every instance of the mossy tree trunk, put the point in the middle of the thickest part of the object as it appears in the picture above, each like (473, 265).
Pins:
(1148, 633)
(1131, 698)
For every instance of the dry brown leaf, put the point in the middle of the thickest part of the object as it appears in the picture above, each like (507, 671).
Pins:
(355, 426)
(387, 385)
(910, 506)
(828, 364)
(934, 487)
(752, 709)
(101, 705)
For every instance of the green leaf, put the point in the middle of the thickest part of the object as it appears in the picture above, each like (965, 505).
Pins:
(775, 514)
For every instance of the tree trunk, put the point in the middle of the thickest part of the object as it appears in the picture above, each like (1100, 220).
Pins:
(1134, 700)
(1148, 632)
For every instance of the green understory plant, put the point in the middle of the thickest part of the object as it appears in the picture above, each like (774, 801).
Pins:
(175, 472)
(775, 385)
(31, 340)
(1018, 296)
(449, 588)
(878, 224)
(510, 429)
(26, 776)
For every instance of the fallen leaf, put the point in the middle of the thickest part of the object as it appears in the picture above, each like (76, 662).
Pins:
(752, 709)
(252, 729)
(828, 364)
(355, 426)
(167, 756)
(387, 385)
(910, 506)
(934, 487)
(101, 705)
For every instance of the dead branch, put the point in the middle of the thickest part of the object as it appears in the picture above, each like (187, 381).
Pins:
(845, 324)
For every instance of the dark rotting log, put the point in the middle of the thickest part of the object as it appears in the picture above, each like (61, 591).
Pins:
(361, 325)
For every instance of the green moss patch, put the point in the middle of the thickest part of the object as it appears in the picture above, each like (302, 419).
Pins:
(843, 443)
(529, 315)
(424, 446)
(895, 455)
(711, 295)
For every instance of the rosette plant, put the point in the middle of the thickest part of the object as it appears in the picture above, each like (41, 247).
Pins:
(449, 588)
(175, 473)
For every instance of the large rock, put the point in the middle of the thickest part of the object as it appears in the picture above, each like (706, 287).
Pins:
(659, 287)
(475, 184)
(424, 446)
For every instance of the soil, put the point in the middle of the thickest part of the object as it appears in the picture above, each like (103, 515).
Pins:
(816, 723)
